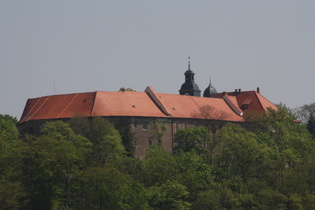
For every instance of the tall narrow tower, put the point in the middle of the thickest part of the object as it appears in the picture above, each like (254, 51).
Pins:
(189, 87)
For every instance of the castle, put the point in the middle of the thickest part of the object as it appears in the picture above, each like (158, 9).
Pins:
(187, 109)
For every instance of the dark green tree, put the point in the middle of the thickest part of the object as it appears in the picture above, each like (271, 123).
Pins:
(12, 193)
(170, 195)
(310, 125)
(108, 188)
(192, 139)
(52, 162)
(157, 130)
(127, 136)
(157, 167)
(107, 144)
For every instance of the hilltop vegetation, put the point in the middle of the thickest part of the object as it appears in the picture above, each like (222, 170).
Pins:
(266, 164)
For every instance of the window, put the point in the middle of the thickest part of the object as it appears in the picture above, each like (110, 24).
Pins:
(145, 126)
(177, 126)
(41, 126)
(149, 142)
(135, 143)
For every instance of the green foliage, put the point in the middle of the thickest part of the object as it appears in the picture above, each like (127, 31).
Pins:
(125, 89)
(310, 125)
(12, 195)
(9, 133)
(108, 188)
(265, 164)
(158, 167)
(107, 144)
(127, 136)
(191, 139)
(80, 125)
(53, 160)
(157, 130)
(194, 173)
(170, 195)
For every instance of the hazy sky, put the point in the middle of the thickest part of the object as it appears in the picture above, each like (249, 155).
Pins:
(83, 46)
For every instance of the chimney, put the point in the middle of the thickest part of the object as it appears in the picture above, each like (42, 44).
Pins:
(235, 90)
(224, 93)
(258, 90)
(239, 90)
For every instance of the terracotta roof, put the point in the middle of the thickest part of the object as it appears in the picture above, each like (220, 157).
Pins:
(250, 102)
(227, 106)
(97, 103)
(58, 106)
(183, 106)
(128, 103)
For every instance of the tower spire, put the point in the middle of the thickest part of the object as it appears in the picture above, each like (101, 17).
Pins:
(189, 62)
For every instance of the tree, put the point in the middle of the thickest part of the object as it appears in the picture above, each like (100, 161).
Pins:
(189, 139)
(157, 167)
(107, 144)
(80, 125)
(157, 130)
(310, 125)
(194, 173)
(12, 192)
(304, 112)
(108, 188)
(52, 162)
(127, 136)
(170, 195)
(212, 117)
(125, 89)
(9, 134)
(239, 152)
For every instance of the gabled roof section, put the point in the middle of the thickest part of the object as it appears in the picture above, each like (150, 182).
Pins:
(128, 103)
(265, 103)
(183, 106)
(249, 102)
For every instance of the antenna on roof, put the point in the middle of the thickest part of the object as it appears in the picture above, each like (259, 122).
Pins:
(189, 62)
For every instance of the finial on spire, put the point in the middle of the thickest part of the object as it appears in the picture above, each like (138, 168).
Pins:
(210, 79)
(189, 62)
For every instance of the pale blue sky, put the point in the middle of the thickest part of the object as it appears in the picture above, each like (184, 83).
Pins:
(107, 44)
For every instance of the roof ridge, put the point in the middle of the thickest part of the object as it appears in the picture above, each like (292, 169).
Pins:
(94, 101)
(256, 94)
(152, 94)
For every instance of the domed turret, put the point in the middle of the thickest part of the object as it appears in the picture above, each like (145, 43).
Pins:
(189, 87)
(210, 91)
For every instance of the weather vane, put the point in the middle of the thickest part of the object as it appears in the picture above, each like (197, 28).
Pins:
(189, 62)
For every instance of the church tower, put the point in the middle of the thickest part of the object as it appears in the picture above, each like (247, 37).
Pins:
(210, 91)
(189, 87)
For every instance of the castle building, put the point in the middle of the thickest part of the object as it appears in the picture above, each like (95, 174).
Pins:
(187, 109)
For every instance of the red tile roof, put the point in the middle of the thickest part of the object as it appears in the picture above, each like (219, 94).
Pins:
(250, 102)
(144, 104)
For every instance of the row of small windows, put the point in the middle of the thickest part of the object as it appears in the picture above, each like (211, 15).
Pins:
(150, 142)
(144, 126)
